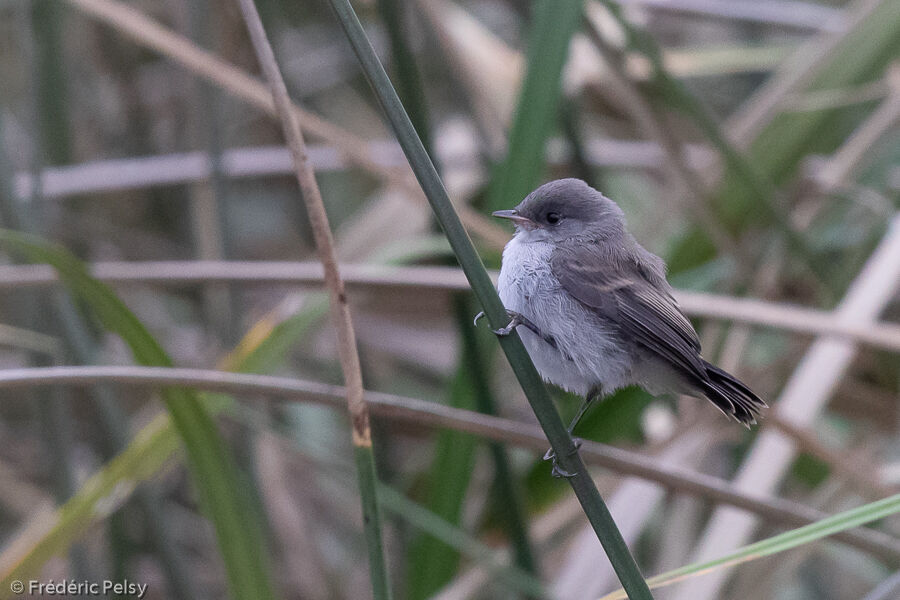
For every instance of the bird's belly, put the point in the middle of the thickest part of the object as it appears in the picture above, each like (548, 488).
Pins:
(587, 353)
(556, 368)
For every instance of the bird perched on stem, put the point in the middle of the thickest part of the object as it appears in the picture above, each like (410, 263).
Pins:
(598, 312)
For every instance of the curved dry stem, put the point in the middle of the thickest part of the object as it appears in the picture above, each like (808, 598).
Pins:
(429, 414)
(776, 315)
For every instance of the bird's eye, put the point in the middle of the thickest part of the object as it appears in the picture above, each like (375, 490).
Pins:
(552, 218)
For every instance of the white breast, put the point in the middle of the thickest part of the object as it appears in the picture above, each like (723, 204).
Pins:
(586, 353)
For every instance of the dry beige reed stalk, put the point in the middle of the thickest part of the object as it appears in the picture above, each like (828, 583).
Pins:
(318, 219)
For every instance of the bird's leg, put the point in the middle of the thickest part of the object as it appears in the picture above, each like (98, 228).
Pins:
(594, 393)
(517, 319)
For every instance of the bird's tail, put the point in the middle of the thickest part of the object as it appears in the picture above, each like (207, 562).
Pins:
(731, 396)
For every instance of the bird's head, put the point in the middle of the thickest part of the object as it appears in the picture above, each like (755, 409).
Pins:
(564, 209)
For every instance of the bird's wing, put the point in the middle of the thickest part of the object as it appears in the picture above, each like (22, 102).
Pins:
(619, 290)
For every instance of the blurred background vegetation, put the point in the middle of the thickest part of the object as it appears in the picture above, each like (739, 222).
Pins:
(754, 145)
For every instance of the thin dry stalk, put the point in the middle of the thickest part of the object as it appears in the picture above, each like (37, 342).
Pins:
(750, 311)
(315, 207)
(340, 309)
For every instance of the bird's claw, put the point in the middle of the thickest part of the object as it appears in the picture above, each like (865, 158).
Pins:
(560, 473)
(515, 320)
(556, 470)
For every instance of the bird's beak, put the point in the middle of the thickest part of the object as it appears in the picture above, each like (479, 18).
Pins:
(516, 218)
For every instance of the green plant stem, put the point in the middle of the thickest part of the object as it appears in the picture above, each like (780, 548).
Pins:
(580, 164)
(52, 106)
(371, 515)
(471, 384)
(431, 561)
(409, 82)
(54, 146)
(566, 451)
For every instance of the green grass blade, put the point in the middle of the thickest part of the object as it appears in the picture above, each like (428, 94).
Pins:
(553, 24)
(367, 479)
(409, 81)
(55, 136)
(562, 443)
(861, 515)
(222, 496)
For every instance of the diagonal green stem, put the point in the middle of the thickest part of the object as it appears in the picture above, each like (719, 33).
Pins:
(471, 383)
(531, 383)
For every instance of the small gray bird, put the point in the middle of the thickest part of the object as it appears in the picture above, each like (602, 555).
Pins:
(598, 311)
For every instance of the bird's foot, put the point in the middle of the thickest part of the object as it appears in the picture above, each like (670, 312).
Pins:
(517, 319)
(556, 470)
